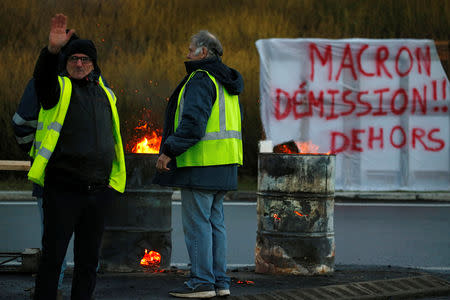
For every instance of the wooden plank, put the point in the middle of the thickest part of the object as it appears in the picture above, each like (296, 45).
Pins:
(14, 165)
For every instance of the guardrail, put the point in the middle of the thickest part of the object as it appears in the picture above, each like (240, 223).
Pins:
(14, 165)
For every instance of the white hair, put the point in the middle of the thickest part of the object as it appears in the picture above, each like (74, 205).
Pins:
(205, 39)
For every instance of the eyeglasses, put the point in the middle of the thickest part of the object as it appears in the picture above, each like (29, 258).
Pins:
(84, 59)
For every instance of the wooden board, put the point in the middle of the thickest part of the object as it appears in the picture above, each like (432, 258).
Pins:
(14, 165)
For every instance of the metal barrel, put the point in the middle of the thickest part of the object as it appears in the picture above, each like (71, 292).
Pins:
(295, 210)
(139, 219)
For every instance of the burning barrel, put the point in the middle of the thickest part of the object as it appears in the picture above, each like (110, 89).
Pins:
(295, 210)
(139, 220)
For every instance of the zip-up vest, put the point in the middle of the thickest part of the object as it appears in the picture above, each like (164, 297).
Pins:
(50, 123)
(222, 143)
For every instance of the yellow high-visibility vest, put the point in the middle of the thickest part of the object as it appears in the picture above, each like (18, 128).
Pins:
(50, 123)
(222, 143)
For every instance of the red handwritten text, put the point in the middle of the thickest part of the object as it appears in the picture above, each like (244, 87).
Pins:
(405, 60)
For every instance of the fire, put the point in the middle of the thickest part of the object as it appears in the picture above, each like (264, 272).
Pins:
(146, 136)
(299, 147)
(285, 149)
(299, 214)
(307, 147)
(276, 217)
(151, 258)
(148, 144)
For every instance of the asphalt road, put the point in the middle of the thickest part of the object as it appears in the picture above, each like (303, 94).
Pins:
(404, 234)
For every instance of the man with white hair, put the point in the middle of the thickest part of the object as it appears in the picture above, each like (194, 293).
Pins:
(201, 150)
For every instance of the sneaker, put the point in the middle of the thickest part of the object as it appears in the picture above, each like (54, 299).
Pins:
(223, 292)
(202, 291)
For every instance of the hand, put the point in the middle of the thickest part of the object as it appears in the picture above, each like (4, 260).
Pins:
(58, 36)
(161, 163)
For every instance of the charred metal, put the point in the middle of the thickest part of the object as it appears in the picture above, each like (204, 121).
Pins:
(138, 219)
(295, 210)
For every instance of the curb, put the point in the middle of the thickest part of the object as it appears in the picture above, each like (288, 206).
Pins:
(251, 196)
(418, 286)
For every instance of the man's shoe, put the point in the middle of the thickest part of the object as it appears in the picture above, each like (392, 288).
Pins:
(223, 292)
(202, 291)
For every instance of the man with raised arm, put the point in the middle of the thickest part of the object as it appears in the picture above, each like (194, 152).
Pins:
(78, 159)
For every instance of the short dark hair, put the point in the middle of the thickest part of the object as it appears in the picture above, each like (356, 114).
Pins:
(204, 38)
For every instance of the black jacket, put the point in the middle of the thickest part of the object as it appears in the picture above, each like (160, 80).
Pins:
(25, 119)
(85, 148)
(200, 94)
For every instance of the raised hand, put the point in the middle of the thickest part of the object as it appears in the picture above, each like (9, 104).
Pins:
(58, 36)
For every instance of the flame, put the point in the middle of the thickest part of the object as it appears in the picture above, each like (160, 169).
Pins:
(299, 214)
(145, 138)
(276, 217)
(302, 148)
(148, 144)
(151, 258)
(307, 147)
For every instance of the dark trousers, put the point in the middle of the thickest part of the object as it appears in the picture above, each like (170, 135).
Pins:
(67, 210)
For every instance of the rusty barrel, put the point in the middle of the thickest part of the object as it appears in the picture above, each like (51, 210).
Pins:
(139, 219)
(295, 209)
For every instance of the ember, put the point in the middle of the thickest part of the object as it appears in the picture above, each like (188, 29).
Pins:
(276, 217)
(245, 282)
(151, 258)
(298, 147)
(300, 214)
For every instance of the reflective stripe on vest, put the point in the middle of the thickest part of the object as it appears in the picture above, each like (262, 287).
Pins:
(220, 145)
(223, 133)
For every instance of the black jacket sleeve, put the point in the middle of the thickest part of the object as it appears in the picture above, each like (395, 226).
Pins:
(25, 119)
(46, 79)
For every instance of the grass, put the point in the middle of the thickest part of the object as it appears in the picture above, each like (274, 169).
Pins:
(142, 45)
(247, 183)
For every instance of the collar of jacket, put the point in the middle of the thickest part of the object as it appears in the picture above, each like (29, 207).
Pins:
(93, 76)
(193, 65)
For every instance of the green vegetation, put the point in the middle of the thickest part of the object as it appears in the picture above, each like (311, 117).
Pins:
(14, 181)
(142, 45)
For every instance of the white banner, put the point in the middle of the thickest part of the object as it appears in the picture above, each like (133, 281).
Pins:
(381, 105)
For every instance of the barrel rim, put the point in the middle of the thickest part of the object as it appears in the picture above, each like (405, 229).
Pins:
(300, 195)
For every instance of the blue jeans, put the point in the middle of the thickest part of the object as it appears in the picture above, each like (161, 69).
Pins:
(64, 264)
(205, 236)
